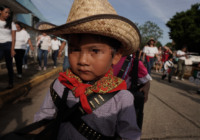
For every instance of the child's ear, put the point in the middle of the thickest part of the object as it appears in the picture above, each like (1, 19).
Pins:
(117, 56)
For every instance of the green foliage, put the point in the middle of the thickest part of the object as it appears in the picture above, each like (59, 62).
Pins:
(169, 44)
(185, 28)
(149, 30)
(159, 44)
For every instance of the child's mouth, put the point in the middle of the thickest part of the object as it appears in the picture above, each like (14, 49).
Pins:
(83, 71)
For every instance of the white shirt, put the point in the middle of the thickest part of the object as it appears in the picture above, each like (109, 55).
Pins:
(21, 40)
(168, 64)
(55, 44)
(66, 48)
(46, 42)
(179, 52)
(150, 51)
(6, 34)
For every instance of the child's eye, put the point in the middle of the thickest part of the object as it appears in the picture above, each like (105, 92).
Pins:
(96, 50)
(75, 50)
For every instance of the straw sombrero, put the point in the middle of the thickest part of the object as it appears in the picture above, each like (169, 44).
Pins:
(97, 17)
(152, 39)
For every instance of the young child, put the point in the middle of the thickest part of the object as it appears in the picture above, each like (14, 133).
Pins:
(97, 39)
(168, 69)
(143, 76)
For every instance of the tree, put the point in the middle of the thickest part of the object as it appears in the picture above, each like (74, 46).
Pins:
(159, 44)
(185, 28)
(169, 44)
(149, 30)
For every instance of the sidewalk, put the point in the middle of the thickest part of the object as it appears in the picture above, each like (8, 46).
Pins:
(31, 77)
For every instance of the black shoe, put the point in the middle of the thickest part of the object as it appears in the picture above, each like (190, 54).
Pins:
(198, 92)
(10, 86)
(163, 77)
(169, 79)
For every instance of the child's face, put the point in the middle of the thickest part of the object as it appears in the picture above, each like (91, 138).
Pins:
(171, 59)
(89, 59)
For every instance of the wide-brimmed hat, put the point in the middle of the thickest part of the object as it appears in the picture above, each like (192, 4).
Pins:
(152, 39)
(97, 17)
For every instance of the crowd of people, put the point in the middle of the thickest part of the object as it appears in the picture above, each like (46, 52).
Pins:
(15, 42)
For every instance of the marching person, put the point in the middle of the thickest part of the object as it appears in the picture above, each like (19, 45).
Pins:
(181, 54)
(25, 66)
(158, 61)
(7, 40)
(166, 53)
(92, 52)
(22, 37)
(150, 51)
(168, 69)
(66, 64)
(55, 45)
(44, 45)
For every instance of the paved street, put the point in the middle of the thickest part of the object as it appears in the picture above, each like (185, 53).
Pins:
(171, 113)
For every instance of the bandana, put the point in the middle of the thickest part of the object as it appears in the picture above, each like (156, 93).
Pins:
(106, 84)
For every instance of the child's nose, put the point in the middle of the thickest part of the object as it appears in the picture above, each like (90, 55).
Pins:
(83, 58)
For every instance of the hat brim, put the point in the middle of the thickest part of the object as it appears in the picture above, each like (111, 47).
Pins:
(114, 26)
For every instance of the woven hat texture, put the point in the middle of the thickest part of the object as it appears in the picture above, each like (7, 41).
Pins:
(97, 17)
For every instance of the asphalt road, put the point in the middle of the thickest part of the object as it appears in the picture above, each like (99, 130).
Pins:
(171, 113)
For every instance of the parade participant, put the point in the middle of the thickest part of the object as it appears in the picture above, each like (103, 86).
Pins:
(55, 45)
(44, 45)
(66, 60)
(143, 76)
(25, 66)
(158, 61)
(166, 53)
(168, 69)
(150, 51)
(94, 46)
(7, 40)
(22, 37)
(181, 54)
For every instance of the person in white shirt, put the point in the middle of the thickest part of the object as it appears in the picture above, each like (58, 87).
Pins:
(44, 45)
(22, 37)
(25, 59)
(55, 45)
(150, 51)
(168, 69)
(7, 40)
(66, 60)
(181, 54)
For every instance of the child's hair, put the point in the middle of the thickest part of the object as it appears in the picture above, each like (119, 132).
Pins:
(170, 57)
(10, 19)
(115, 44)
(24, 27)
(20, 25)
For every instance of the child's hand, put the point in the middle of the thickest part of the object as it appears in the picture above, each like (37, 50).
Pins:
(145, 89)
